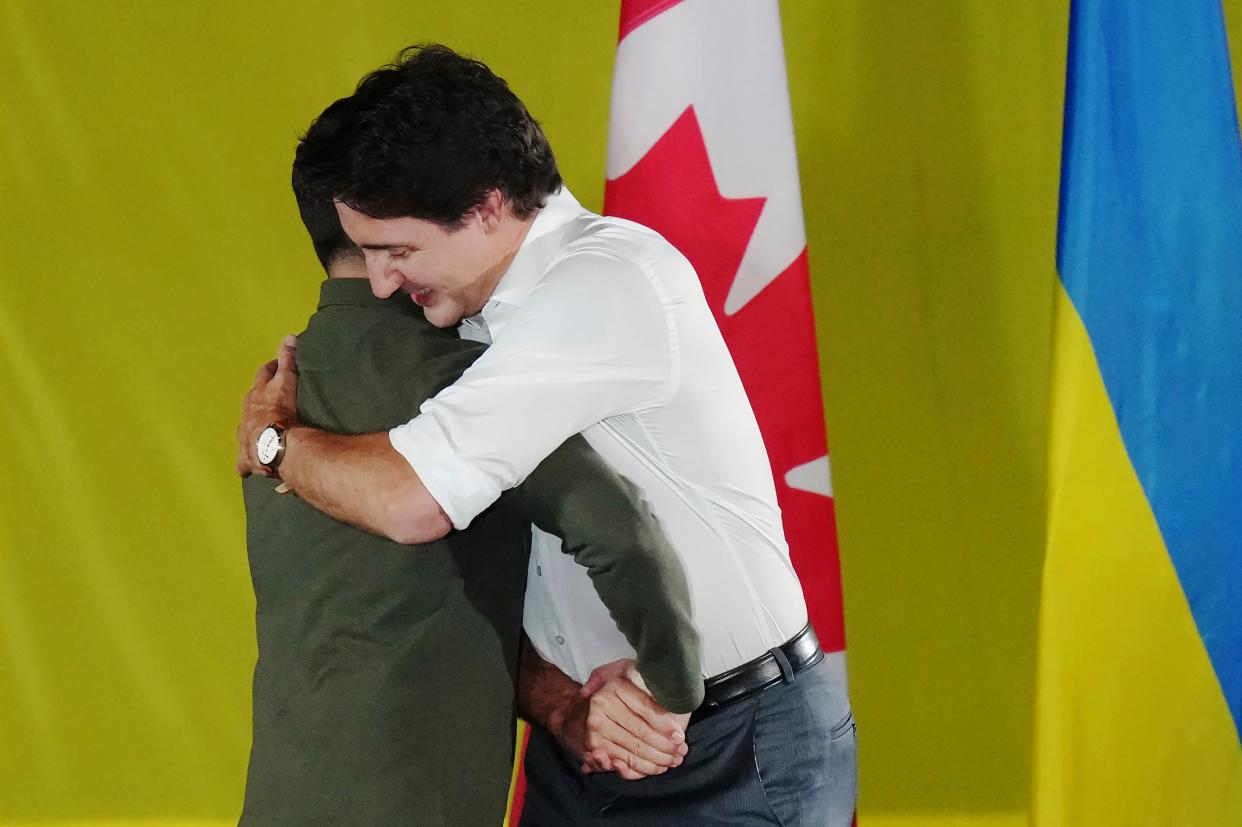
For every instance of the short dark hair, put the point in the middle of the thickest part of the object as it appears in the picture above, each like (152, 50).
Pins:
(318, 212)
(326, 234)
(428, 136)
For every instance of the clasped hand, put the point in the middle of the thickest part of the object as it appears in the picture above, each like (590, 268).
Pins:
(618, 727)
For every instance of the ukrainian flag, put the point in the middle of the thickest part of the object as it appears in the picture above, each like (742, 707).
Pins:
(1140, 659)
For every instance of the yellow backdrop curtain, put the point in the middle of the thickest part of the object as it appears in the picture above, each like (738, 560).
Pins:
(151, 257)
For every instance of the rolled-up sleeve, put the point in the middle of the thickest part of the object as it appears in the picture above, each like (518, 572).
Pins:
(594, 339)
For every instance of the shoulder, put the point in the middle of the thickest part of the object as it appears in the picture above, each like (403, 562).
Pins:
(411, 335)
(613, 257)
(425, 357)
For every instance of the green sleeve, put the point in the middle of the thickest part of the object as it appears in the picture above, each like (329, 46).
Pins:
(608, 528)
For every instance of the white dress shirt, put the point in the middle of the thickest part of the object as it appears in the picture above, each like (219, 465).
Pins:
(600, 326)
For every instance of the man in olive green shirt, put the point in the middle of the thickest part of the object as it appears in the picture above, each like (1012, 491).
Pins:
(384, 687)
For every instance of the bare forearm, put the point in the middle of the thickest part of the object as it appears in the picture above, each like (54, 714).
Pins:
(363, 481)
(360, 480)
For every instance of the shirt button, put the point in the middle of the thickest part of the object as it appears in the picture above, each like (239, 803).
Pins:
(539, 570)
(560, 640)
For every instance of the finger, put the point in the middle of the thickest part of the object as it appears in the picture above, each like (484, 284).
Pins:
(635, 768)
(594, 684)
(636, 713)
(626, 746)
(656, 716)
(623, 759)
(600, 760)
(265, 374)
(593, 766)
(630, 774)
(620, 724)
(679, 721)
(285, 361)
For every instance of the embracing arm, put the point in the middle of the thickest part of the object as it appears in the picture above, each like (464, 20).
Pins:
(610, 531)
(360, 479)
(592, 341)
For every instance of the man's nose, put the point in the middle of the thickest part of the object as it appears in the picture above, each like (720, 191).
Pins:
(384, 279)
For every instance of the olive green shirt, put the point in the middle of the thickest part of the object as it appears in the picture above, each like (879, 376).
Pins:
(384, 687)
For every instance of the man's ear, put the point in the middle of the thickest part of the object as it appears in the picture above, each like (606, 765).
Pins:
(492, 211)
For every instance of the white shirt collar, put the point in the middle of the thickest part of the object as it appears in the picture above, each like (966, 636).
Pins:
(560, 208)
(524, 272)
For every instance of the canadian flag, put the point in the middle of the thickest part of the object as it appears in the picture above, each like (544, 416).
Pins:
(701, 149)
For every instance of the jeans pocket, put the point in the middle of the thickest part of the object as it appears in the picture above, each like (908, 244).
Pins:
(843, 727)
(805, 759)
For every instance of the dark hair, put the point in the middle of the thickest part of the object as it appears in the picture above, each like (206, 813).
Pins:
(428, 136)
(315, 206)
(324, 226)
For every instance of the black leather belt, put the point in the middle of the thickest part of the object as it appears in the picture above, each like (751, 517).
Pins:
(800, 652)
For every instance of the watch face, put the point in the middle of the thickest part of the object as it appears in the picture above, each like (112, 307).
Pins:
(268, 446)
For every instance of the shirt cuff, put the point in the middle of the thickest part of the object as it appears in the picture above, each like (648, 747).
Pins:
(461, 490)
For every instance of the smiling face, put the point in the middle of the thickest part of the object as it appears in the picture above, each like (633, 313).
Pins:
(449, 273)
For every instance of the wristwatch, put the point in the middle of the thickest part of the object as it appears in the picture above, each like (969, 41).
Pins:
(270, 448)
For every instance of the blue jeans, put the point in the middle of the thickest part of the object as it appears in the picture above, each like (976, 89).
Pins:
(785, 756)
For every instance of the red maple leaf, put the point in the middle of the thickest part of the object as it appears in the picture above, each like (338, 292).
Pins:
(772, 339)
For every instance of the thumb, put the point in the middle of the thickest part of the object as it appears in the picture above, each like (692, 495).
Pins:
(285, 355)
(594, 684)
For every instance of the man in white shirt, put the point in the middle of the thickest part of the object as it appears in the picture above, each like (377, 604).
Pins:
(597, 326)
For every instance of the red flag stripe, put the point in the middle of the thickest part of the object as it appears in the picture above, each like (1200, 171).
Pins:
(634, 13)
